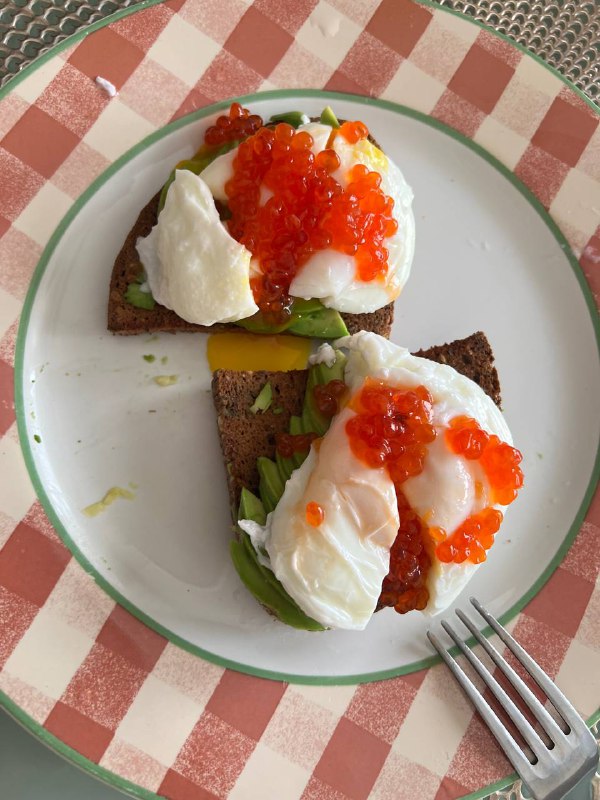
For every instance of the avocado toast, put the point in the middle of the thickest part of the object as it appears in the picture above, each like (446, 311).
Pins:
(310, 250)
(256, 472)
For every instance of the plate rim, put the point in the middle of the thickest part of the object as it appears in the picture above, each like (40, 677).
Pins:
(22, 421)
(31, 724)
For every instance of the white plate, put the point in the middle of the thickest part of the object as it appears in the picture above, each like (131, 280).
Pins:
(485, 260)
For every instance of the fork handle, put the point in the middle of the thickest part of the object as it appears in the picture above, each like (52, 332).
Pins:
(584, 790)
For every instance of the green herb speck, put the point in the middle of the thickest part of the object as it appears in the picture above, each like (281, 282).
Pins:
(37, 438)
(263, 399)
(149, 358)
(165, 380)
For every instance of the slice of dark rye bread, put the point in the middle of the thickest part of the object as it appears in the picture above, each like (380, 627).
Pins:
(125, 319)
(244, 436)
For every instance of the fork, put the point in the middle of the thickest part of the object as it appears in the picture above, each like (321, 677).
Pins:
(553, 768)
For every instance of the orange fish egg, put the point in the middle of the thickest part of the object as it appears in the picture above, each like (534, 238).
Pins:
(314, 514)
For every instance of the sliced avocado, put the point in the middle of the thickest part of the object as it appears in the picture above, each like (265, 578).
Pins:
(252, 577)
(325, 374)
(295, 426)
(312, 419)
(284, 606)
(295, 429)
(263, 399)
(136, 297)
(251, 507)
(285, 465)
(195, 165)
(271, 484)
(301, 306)
(269, 592)
(293, 118)
(329, 118)
(323, 324)
(257, 324)
(320, 374)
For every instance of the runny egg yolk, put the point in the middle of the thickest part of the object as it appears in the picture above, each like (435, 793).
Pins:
(247, 351)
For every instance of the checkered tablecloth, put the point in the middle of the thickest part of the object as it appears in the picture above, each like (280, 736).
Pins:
(80, 667)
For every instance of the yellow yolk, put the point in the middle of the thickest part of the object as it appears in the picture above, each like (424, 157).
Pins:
(247, 351)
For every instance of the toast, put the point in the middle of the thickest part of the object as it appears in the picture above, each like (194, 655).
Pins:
(127, 320)
(245, 436)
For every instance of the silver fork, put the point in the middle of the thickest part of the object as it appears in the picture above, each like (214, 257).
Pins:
(553, 768)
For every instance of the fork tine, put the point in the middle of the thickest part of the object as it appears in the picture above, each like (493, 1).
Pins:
(534, 705)
(560, 702)
(523, 726)
(505, 740)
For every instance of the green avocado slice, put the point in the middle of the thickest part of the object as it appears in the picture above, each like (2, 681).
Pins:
(136, 297)
(195, 165)
(323, 324)
(329, 118)
(260, 580)
(271, 483)
(293, 118)
(309, 318)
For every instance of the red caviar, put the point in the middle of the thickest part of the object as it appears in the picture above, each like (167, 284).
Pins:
(239, 123)
(314, 514)
(499, 460)
(471, 539)
(392, 428)
(327, 396)
(289, 443)
(307, 210)
(354, 131)
(404, 585)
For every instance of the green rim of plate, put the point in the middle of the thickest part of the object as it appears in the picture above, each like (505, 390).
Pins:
(19, 379)
(111, 778)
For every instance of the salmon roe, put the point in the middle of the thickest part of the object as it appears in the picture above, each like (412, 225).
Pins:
(306, 210)
(289, 443)
(404, 587)
(392, 428)
(314, 514)
(500, 462)
(239, 123)
(471, 539)
(328, 395)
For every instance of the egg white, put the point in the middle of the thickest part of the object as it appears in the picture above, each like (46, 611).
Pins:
(193, 266)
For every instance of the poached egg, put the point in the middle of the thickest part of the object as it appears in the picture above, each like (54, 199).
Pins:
(195, 268)
(335, 571)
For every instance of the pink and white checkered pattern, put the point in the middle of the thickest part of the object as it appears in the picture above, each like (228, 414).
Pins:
(78, 664)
